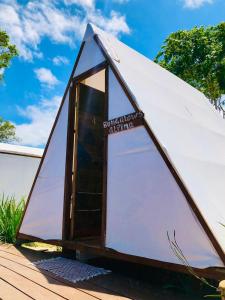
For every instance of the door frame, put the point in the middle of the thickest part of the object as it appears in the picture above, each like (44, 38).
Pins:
(71, 151)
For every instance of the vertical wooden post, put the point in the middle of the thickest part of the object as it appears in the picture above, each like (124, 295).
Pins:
(74, 166)
(105, 162)
(69, 163)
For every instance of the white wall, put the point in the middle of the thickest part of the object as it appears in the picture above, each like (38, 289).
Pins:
(17, 173)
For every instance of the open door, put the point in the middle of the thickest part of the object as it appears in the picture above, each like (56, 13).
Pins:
(88, 157)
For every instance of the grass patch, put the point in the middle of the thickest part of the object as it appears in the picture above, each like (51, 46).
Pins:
(11, 213)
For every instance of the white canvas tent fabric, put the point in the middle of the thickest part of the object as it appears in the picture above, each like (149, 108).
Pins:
(91, 56)
(18, 166)
(118, 102)
(192, 136)
(44, 214)
(152, 202)
(186, 125)
(144, 202)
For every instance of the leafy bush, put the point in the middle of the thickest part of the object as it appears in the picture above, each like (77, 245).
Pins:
(11, 213)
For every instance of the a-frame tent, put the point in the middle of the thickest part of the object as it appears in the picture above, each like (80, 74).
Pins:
(135, 154)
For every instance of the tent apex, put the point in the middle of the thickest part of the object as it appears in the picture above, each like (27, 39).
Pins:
(90, 31)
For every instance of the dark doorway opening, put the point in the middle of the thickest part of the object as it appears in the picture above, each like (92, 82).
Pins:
(89, 162)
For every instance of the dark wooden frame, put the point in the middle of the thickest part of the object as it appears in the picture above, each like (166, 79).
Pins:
(69, 226)
(105, 161)
(90, 72)
(69, 158)
(209, 272)
(74, 165)
(213, 273)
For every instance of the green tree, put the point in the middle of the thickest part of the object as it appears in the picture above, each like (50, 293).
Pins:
(7, 51)
(198, 57)
(7, 131)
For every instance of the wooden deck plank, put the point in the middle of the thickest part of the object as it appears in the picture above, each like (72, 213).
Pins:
(105, 293)
(125, 285)
(130, 287)
(8, 292)
(32, 255)
(52, 285)
(112, 286)
(32, 289)
(104, 287)
(108, 287)
(25, 267)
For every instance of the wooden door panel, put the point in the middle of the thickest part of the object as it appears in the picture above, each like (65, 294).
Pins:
(89, 173)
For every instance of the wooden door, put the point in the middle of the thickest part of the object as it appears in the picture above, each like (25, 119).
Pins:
(89, 156)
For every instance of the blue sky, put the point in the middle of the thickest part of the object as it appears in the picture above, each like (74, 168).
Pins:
(48, 34)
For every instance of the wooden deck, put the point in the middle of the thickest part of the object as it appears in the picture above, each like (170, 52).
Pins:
(21, 280)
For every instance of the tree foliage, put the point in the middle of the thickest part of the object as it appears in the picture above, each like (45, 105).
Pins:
(7, 131)
(198, 57)
(7, 51)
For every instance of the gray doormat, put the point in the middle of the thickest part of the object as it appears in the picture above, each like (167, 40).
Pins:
(69, 269)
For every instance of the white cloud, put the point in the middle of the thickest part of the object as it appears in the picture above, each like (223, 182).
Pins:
(85, 3)
(196, 3)
(40, 118)
(60, 60)
(121, 1)
(46, 77)
(60, 21)
(2, 70)
(116, 23)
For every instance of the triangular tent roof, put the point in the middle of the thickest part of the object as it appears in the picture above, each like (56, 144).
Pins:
(185, 128)
(188, 128)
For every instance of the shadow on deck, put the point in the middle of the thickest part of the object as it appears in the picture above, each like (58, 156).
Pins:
(20, 279)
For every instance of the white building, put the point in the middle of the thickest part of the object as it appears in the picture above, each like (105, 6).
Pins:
(18, 166)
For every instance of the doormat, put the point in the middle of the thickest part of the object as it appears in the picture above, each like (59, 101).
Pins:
(69, 269)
